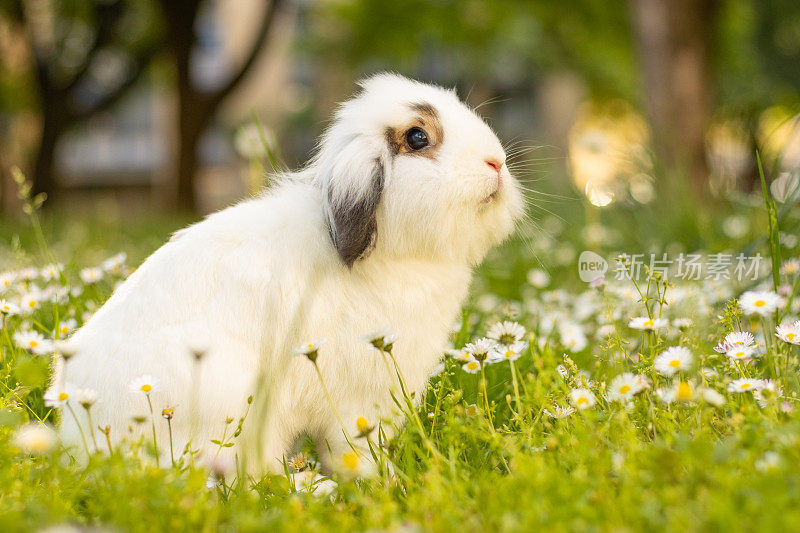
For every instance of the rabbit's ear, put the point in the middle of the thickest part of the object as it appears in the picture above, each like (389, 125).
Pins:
(352, 191)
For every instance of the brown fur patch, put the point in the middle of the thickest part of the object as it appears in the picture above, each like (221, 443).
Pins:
(427, 118)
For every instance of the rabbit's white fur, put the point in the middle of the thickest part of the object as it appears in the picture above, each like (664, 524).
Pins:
(255, 281)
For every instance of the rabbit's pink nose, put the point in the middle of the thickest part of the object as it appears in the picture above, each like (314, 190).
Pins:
(495, 164)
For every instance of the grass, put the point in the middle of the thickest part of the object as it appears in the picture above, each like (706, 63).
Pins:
(642, 464)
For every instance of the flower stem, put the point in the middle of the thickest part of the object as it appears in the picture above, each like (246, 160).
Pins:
(486, 397)
(333, 408)
(107, 433)
(515, 384)
(171, 452)
(409, 402)
(91, 426)
(153, 425)
(80, 429)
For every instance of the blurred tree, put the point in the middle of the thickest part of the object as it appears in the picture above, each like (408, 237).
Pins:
(697, 59)
(675, 44)
(197, 105)
(491, 40)
(86, 56)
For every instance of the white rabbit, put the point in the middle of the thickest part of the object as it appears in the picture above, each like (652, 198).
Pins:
(407, 192)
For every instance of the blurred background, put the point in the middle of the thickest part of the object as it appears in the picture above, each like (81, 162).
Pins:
(181, 106)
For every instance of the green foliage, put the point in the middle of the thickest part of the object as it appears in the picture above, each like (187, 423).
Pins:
(474, 456)
(487, 39)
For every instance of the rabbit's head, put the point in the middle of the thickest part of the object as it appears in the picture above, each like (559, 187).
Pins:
(407, 170)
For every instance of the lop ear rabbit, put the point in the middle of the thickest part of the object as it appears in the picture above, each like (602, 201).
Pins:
(407, 192)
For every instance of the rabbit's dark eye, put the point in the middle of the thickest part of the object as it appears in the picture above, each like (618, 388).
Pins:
(416, 138)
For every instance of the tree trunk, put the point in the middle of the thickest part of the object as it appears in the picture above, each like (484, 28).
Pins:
(191, 126)
(674, 48)
(43, 176)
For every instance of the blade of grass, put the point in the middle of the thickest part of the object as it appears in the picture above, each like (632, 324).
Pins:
(772, 217)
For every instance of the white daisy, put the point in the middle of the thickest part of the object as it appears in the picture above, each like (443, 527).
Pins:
(506, 333)
(312, 482)
(672, 360)
(712, 397)
(762, 303)
(113, 265)
(91, 275)
(7, 279)
(354, 465)
(572, 336)
(29, 274)
(457, 354)
(538, 278)
(606, 330)
(311, 349)
(472, 366)
(510, 352)
(789, 333)
(85, 397)
(33, 341)
(8, 308)
(625, 386)
(559, 412)
(582, 398)
(682, 323)
(744, 385)
(51, 272)
(741, 353)
(735, 339)
(35, 438)
(644, 323)
(769, 462)
(145, 384)
(682, 391)
(382, 339)
(480, 349)
(708, 373)
(57, 398)
(767, 390)
(790, 267)
(65, 327)
(29, 302)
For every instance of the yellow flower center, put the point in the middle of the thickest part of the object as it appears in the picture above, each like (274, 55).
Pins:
(760, 303)
(62, 396)
(6, 308)
(362, 424)
(147, 387)
(310, 346)
(744, 386)
(509, 354)
(350, 460)
(472, 365)
(33, 344)
(649, 324)
(790, 336)
(582, 400)
(32, 304)
(625, 389)
(684, 391)
(675, 363)
(167, 412)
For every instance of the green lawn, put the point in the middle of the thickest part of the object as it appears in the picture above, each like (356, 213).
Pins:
(684, 448)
